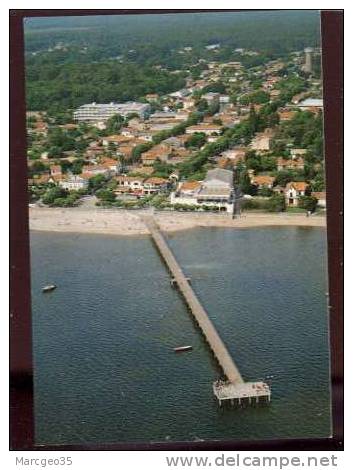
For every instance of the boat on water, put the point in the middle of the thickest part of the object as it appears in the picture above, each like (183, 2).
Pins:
(183, 348)
(49, 288)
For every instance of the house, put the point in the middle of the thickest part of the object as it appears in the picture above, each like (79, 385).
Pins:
(173, 142)
(110, 164)
(262, 141)
(228, 120)
(291, 164)
(295, 153)
(96, 170)
(237, 154)
(74, 183)
(217, 190)
(132, 184)
(321, 198)
(286, 115)
(125, 151)
(293, 191)
(262, 181)
(164, 125)
(154, 184)
(115, 139)
(158, 152)
(207, 129)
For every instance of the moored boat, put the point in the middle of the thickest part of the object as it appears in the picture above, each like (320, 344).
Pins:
(48, 288)
(183, 348)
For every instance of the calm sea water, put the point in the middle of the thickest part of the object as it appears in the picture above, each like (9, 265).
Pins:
(105, 370)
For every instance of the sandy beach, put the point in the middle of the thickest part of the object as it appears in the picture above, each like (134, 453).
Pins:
(123, 222)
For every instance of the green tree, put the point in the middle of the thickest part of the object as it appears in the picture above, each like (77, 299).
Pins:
(245, 183)
(276, 203)
(308, 203)
(76, 167)
(96, 182)
(53, 194)
(114, 124)
(106, 195)
(197, 140)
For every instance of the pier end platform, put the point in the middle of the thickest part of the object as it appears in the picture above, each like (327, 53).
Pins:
(230, 391)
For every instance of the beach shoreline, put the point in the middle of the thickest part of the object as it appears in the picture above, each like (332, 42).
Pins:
(129, 223)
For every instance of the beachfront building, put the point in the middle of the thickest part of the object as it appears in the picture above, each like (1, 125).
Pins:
(154, 185)
(217, 190)
(294, 191)
(95, 112)
(129, 184)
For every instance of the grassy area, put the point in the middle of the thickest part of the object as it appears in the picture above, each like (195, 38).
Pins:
(295, 210)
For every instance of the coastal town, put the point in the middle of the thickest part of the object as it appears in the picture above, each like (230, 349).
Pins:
(237, 138)
(175, 174)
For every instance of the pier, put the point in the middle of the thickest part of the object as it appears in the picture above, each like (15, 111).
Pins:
(234, 389)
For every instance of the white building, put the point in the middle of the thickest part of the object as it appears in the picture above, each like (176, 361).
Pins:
(95, 112)
(294, 191)
(310, 103)
(217, 190)
(74, 183)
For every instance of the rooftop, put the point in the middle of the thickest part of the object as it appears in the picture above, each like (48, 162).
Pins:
(314, 102)
(225, 176)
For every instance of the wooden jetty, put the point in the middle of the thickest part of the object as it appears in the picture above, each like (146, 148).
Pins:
(234, 388)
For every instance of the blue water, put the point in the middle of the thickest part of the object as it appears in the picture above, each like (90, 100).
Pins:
(105, 370)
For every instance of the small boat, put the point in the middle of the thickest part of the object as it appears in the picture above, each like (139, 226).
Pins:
(48, 288)
(183, 348)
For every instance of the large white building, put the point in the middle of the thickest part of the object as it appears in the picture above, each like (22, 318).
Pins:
(95, 112)
(216, 190)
